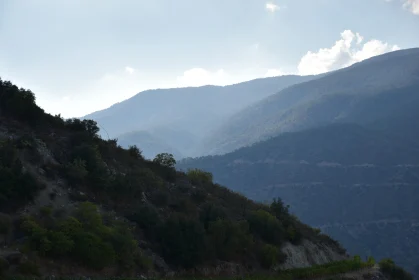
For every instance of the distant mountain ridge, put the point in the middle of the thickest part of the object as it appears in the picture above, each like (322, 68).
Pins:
(341, 96)
(196, 110)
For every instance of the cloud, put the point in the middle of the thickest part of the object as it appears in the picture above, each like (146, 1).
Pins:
(342, 54)
(273, 73)
(412, 5)
(129, 70)
(272, 7)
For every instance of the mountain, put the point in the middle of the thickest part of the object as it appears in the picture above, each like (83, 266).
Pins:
(364, 92)
(151, 144)
(187, 112)
(357, 183)
(73, 204)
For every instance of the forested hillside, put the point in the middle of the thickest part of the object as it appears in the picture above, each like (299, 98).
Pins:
(74, 204)
(358, 184)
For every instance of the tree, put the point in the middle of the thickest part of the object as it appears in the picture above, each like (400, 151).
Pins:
(165, 159)
(135, 152)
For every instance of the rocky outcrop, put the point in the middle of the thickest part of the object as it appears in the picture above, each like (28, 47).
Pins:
(308, 254)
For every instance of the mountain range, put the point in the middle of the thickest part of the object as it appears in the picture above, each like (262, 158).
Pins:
(75, 205)
(342, 150)
(183, 117)
(366, 91)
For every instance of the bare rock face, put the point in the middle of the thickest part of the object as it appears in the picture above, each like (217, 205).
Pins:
(308, 254)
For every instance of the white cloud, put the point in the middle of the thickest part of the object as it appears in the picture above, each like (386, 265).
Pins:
(345, 52)
(412, 5)
(273, 73)
(272, 7)
(129, 70)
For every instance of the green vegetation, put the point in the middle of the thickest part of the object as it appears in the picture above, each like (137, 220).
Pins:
(327, 270)
(389, 268)
(344, 177)
(84, 238)
(17, 187)
(185, 218)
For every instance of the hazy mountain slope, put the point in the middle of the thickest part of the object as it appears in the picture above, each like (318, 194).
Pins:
(364, 92)
(340, 177)
(194, 110)
(151, 144)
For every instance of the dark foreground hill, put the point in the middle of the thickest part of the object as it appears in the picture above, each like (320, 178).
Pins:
(368, 91)
(360, 184)
(74, 204)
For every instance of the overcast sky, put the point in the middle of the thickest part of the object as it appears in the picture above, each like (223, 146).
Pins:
(79, 56)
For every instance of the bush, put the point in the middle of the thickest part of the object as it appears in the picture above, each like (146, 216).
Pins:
(211, 213)
(267, 226)
(183, 241)
(61, 244)
(90, 250)
(147, 218)
(135, 152)
(5, 224)
(85, 239)
(29, 268)
(389, 268)
(17, 187)
(229, 240)
(199, 177)
(76, 170)
(4, 266)
(268, 256)
(45, 211)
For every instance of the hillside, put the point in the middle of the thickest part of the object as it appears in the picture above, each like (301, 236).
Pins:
(358, 184)
(75, 204)
(364, 92)
(150, 144)
(185, 115)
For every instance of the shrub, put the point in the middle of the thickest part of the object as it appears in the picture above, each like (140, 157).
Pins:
(269, 256)
(198, 177)
(266, 226)
(229, 240)
(147, 218)
(90, 250)
(76, 170)
(61, 244)
(135, 152)
(388, 267)
(29, 268)
(4, 266)
(183, 241)
(210, 213)
(5, 224)
(143, 262)
(45, 211)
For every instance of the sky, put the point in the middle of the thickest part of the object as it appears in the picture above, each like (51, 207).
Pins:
(81, 56)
